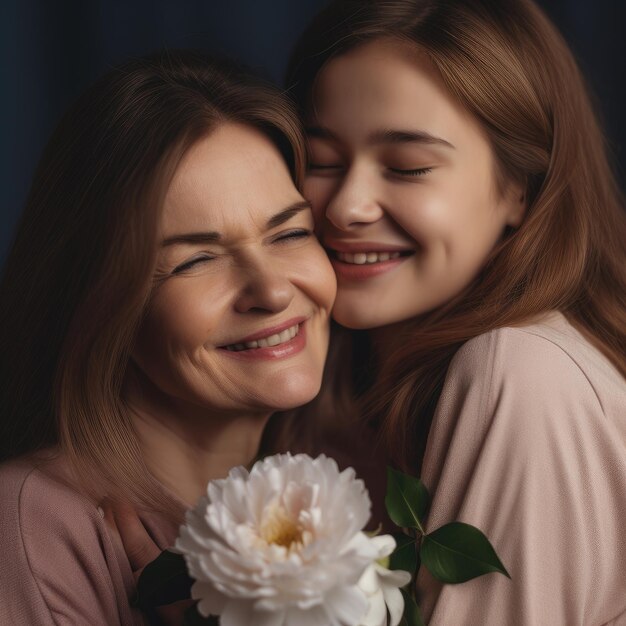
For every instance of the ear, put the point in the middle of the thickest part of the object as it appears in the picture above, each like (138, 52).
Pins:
(515, 201)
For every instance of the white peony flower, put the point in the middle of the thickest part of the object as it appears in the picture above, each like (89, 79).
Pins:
(381, 586)
(282, 545)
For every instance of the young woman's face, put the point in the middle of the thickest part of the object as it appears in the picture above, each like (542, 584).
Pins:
(238, 319)
(402, 183)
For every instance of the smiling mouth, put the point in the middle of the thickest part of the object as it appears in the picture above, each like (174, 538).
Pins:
(368, 258)
(266, 342)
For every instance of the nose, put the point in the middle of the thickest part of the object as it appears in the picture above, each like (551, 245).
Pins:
(265, 289)
(354, 202)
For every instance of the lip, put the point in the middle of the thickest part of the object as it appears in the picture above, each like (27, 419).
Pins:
(267, 332)
(352, 271)
(284, 350)
(365, 246)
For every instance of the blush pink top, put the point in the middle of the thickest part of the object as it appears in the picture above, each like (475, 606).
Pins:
(529, 444)
(61, 564)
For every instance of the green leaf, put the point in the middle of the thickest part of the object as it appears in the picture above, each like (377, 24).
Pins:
(191, 617)
(458, 552)
(411, 615)
(163, 581)
(405, 555)
(406, 500)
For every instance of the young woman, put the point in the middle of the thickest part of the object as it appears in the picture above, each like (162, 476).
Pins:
(164, 295)
(461, 188)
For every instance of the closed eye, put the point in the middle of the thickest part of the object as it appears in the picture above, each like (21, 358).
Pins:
(321, 166)
(300, 233)
(187, 265)
(420, 171)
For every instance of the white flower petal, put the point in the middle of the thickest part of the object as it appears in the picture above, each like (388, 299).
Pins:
(393, 577)
(317, 616)
(395, 604)
(376, 612)
(269, 618)
(237, 613)
(385, 544)
(369, 582)
(348, 604)
(211, 601)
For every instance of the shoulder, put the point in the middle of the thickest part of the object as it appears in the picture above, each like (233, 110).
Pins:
(526, 386)
(55, 539)
(31, 488)
(547, 361)
(516, 349)
(43, 517)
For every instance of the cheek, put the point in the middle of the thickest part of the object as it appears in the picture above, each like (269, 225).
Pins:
(423, 213)
(456, 232)
(443, 216)
(180, 319)
(475, 227)
(314, 275)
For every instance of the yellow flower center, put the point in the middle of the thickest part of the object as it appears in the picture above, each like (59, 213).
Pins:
(280, 529)
(384, 562)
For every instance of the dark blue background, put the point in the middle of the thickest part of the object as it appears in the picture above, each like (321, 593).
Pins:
(51, 50)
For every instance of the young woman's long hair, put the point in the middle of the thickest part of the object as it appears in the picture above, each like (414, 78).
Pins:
(506, 64)
(79, 274)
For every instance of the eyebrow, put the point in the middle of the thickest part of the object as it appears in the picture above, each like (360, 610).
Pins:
(213, 236)
(386, 136)
(407, 136)
(286, 214)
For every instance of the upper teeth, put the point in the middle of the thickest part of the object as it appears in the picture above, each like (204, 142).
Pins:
(266, 342)
(360, 258)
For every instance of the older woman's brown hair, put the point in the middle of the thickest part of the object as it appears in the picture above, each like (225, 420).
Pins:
(508, 66)
(79, 274)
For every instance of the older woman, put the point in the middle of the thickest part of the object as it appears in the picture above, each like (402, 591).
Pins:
(163, 297)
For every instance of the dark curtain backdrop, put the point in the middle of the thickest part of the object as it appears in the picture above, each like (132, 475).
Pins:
(52, 49)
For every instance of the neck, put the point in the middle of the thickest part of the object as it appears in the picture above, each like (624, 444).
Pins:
(186, 445)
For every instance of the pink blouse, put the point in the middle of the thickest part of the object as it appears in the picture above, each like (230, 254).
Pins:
(529, 444)
(61, 564)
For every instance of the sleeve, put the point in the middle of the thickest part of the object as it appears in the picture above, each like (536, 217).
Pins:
(59, 558)
(520, 447)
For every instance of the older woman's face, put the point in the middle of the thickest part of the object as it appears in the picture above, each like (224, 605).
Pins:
(238, 319)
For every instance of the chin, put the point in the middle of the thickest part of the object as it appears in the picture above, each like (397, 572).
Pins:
(294, 390)
(359, 318)
(361, 315)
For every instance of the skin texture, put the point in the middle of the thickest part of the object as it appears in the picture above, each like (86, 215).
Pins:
(433, 198)
(200, 409)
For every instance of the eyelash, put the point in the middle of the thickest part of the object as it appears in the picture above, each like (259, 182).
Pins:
(420, 171)
(299, 233)
(191, 263)
(315, 166)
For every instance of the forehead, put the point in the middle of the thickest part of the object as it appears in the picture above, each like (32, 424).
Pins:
(233, 178)
(387, 84)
